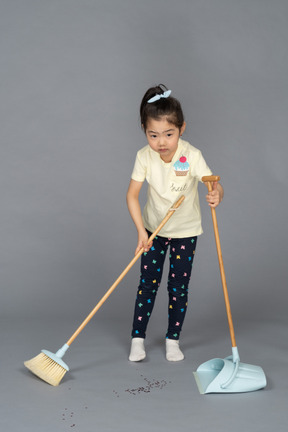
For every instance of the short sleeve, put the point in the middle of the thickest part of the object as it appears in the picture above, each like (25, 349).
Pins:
(201, 168)
(139, 170)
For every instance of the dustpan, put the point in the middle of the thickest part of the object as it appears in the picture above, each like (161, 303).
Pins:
(227, 375)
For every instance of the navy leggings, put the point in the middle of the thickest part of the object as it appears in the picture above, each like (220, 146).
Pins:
(182, 252)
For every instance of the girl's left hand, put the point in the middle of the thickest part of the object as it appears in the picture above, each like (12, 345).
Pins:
(214, 197)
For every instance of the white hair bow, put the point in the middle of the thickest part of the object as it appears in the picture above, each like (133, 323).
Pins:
(155, 98)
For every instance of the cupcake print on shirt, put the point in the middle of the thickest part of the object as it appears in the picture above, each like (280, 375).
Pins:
(181, 167)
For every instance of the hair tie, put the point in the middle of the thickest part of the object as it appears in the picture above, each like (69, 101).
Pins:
(157, 97)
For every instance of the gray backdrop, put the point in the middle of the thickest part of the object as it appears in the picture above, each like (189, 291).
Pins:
(73, 73)
(72, 76)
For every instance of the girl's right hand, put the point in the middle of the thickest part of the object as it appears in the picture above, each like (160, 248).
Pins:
(143, 242)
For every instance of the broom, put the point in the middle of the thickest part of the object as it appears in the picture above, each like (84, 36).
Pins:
(49, 366)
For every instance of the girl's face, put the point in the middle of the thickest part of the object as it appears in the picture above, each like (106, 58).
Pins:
(163, 137)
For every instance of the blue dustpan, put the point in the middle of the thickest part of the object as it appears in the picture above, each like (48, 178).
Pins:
(227, 375)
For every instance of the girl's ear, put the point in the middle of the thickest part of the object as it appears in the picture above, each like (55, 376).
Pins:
(182, 130)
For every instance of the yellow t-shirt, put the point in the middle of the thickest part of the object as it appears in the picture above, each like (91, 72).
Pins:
(166, 183)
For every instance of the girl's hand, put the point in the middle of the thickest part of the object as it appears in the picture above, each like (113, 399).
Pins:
(143, 242)
(214, 197)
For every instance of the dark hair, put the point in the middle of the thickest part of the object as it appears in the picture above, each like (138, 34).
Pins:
(168, 107)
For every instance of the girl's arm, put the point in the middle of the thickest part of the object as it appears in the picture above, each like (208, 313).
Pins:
(215, 197)
(136, 214)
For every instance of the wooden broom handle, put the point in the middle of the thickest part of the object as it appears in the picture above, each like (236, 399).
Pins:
(125, 271)
(209, 180)
(212, 179)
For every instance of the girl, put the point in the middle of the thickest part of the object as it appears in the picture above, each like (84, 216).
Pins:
(172, 167)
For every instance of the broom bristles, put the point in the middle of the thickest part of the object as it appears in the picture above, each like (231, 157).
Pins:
(46, 368)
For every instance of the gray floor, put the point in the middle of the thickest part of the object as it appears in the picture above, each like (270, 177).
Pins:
(104, 391)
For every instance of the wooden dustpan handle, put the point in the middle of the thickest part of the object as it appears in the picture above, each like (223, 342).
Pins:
(171, 211)
(208, 180)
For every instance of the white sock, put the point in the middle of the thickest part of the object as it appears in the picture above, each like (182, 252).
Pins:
(137, 352)
(173, 352)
